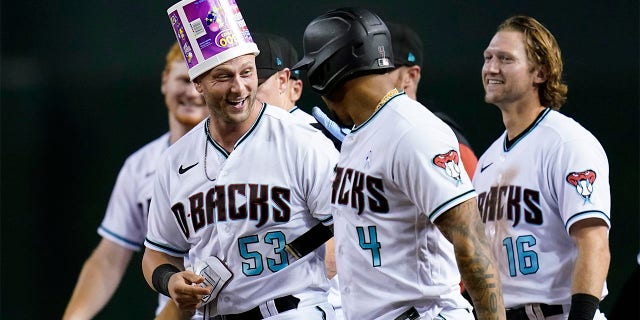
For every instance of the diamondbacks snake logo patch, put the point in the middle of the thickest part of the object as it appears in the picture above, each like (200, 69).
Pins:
(449, 162)
(583, 182)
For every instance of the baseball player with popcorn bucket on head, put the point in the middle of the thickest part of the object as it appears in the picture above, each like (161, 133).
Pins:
(244, 195)
(543, 185)
(406, 224)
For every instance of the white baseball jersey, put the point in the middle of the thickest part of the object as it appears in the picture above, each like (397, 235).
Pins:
(334, 290)
(530, 192)
(245, 206)
(397, 173)
(125, 221)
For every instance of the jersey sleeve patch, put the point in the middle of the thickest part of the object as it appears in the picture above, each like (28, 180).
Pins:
(583, 183)
(449, 163)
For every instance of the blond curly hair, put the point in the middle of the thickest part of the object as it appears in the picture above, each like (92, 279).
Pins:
(542, 51)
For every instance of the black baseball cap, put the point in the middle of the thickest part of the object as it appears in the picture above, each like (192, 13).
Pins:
(407, 45)
(290, 55)
(275, 54)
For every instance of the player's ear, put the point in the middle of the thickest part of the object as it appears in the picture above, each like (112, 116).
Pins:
(413, 74)
(196, 84)
(295, 90)
(540, 75)
(283, 79)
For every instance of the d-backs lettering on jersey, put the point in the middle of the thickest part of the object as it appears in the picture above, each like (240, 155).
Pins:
(256, 202)
(511, 202)
(359, 189)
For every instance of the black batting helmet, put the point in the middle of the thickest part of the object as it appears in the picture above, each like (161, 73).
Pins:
(343, 44)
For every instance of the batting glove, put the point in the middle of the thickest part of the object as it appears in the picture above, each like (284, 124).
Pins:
(330, 128)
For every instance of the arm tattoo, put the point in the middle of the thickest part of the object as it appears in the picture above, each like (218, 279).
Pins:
(462, 226)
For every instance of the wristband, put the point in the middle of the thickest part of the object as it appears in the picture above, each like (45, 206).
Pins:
(160, 278)
(583, 306)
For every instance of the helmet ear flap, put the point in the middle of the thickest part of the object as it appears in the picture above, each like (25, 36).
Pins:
(342, 44)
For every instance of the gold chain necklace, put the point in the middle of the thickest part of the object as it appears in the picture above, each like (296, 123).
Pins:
(386, 98)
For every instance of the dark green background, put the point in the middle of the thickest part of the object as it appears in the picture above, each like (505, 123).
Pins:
(81, 91)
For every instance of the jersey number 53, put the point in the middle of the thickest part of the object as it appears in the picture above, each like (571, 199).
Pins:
(256, 266)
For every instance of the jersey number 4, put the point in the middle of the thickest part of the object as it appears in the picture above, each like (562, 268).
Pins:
(372, 244)
(256, 265)
(527, 259)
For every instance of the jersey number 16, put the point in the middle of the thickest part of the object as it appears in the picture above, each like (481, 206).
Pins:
(527, 259)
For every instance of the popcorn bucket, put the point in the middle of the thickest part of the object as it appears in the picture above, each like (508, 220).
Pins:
(210, 32)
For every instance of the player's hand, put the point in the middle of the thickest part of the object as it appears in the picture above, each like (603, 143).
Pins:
(335, 132)
(186, 290)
